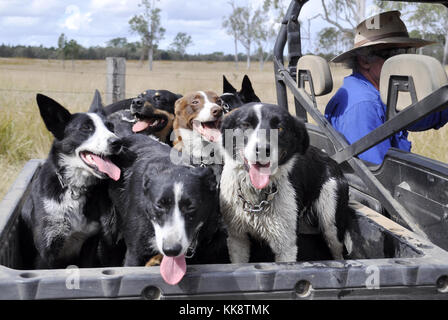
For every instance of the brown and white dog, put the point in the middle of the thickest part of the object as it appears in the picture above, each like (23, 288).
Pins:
(196, 127)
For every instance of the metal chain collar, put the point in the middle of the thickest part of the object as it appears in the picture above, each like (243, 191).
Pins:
(203, 163)
(75, 193)
(264, 204)
(225, 107)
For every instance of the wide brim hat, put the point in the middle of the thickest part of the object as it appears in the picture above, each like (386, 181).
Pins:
(382, 31)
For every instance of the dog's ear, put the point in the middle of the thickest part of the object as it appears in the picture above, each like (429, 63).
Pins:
(179, 96)
(178, 105)
(247, 93)
(97, 105)
(302, 139)
(207, 177)
(54, 115)
(227, 87)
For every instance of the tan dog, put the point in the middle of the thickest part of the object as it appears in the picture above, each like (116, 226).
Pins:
(197, 119)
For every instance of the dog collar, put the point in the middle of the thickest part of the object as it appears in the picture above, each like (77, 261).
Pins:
(264, 204)
(61, 180)
(225, 107)
(75, 193)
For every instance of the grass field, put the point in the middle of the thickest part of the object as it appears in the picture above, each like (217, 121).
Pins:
(23, 135)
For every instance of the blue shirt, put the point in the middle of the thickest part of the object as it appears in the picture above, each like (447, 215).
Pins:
(356, 109)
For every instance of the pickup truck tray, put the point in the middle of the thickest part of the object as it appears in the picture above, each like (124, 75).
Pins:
(387, 261)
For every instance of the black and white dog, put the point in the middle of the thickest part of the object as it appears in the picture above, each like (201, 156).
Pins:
(168, 209)
(270, 177)
(233, 99)
(69, 195)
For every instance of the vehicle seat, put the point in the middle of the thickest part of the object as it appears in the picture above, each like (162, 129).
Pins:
(427, 75)
(316, 71)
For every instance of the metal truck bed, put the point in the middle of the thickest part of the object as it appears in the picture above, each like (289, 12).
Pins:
(387, 261)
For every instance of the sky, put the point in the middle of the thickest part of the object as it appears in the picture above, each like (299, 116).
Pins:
(94, 22)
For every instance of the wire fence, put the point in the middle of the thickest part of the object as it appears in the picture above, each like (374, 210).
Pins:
(161, 76)
(169, 75)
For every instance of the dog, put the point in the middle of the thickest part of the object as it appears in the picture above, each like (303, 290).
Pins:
(69, 194)
(271, 179)
(167, 209)
(150, 113)
(233, 99)
(196, 128)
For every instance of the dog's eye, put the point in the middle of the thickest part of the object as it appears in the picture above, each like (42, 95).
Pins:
(110, 126)
(194, 102)
(159, 205)
(87, 127)
(219, 102)
(245, 125)
(162, 204)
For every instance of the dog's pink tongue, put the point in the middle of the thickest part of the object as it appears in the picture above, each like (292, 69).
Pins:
(259, 176)
(106, 166)
(173, 269)
(211, 134)
(208, 131)
(140, 126)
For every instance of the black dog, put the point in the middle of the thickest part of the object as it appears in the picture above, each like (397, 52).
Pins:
(233, 99)
(270, 177)
(69, 194)
(168, 209)
(151, 113)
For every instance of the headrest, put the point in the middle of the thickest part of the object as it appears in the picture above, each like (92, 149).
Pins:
(427, 73)
(320, 73)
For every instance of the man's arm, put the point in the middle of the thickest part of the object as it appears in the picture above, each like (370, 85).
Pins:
(361, 119)
(431, 121)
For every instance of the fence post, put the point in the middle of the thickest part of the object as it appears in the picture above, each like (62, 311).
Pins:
(115, 79)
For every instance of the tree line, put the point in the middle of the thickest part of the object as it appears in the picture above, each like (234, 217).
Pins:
(131, 52)
(254, 28)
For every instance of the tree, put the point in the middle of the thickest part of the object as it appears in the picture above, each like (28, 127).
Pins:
(430, 20)
(332, 42)
(434, 20)
(147, 25)
(62, 41)
(249, 24)
(264, 38)
(344, 15)
(71, 49)
(327, 40)
(117, 43)
(230, 24)
(181, 42)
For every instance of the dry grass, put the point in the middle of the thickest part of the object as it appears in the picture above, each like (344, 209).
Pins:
(23, 135)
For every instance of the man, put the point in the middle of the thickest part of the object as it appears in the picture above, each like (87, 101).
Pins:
(356, 108)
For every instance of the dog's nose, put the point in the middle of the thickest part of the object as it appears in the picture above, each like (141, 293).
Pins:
(216, 112)
(115, 144)
(172, 250)
(113, 141)
(136, 103)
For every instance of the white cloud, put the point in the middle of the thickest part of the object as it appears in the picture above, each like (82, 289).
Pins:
(76, 20)
(20, 22)
(119, 7)
(42, 6)
(94, 22)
